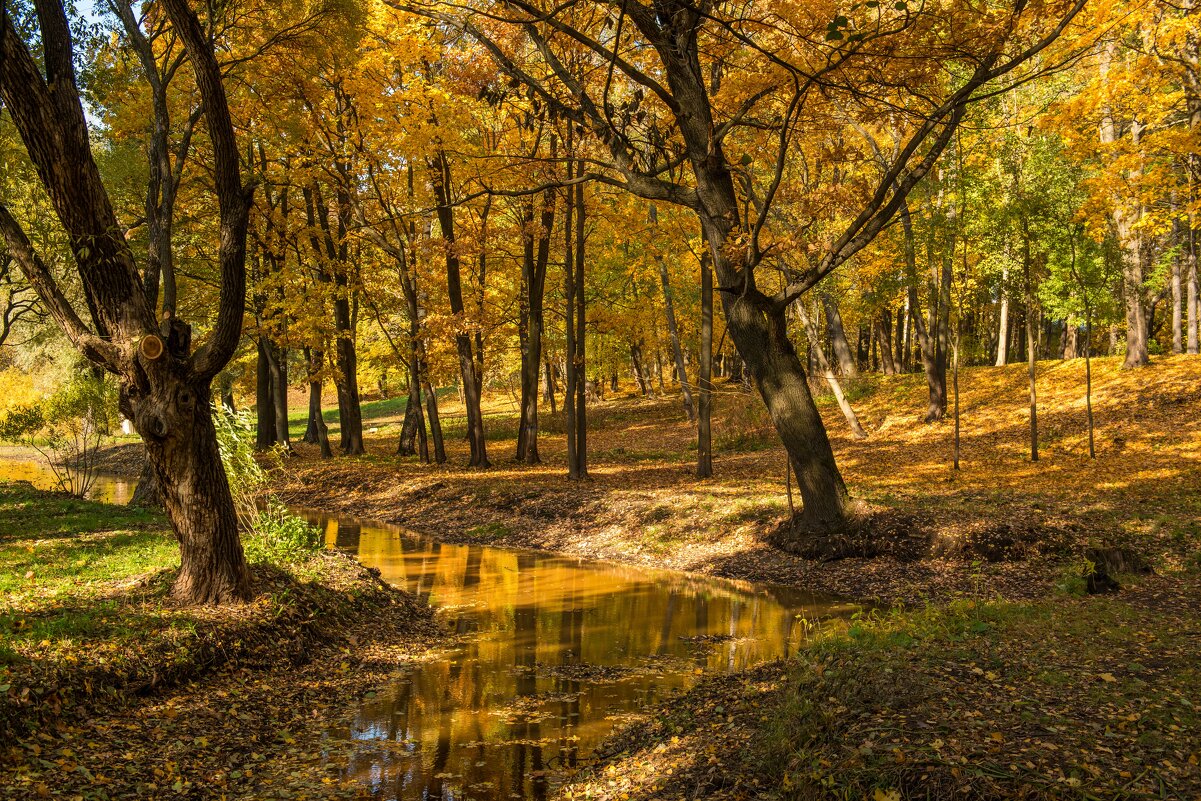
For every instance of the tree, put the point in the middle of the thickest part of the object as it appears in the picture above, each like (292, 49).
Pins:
(165, 384)
(652, 100)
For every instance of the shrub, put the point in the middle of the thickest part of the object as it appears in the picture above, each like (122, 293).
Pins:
(272, 532)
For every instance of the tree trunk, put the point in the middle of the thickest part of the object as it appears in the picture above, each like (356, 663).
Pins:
(176, 421)
(279, 395)
(674, 333)
(314, 362)
(1071, 339)
(1177, 293)
(775, 368)
(883, 329)
(933, 360)
(581, 355)
(146, 494)
(838, 337)
(1003, 321)
(431, 414)
(531, 322)
(350, 413)
(469, 385)
(824, 365)
(704, 430)
(264, 396)
(640, 377)
(1032, 352)
(1194, 293)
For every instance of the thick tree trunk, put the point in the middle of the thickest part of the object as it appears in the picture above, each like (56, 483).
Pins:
(704, 430)
(1071, 339)
(146, 493)
(176, 422)
(775, 368)
(838, 337)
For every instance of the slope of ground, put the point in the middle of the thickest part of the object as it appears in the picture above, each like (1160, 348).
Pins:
(643, 503)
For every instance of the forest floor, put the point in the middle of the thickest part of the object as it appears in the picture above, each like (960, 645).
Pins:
(110, 690)
(992, 674)
(1001, 524)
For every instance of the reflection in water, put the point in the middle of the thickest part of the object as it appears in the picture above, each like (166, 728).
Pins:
(552, 653)
(106, 489)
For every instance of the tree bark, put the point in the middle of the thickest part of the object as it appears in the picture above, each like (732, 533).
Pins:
(674, 333)
(470, 386)
(838, 337)
(704, 430)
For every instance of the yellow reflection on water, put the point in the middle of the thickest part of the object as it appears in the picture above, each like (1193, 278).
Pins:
(553, 653)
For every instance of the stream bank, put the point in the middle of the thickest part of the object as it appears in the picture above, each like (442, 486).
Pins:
(110, 690)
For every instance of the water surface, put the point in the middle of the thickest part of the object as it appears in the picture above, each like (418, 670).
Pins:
(553, 653)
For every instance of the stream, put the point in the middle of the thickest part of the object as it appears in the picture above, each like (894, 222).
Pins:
(551, 654)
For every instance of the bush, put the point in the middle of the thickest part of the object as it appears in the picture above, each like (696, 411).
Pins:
(67, 429)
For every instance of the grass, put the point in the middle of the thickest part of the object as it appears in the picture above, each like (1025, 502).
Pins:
(993, 699)
(61, 559)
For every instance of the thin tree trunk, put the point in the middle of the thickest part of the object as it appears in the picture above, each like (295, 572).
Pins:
(264, 396)
(955, 389)
(704, 431)
(1177, 293)
(640, 377)
(838, 337)
(469, 385)
(1032, 352)
(572, 373)
(279, 395)
(314, 361)
(1003, 320)
(883, 335)
(581, 398)
(824, 364)
(674, 333)
(435, 421)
